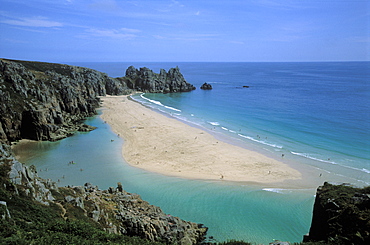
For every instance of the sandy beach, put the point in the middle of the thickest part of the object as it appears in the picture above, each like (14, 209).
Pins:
(164, 145)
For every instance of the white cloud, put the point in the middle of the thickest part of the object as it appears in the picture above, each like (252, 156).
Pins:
(122, 33)
(130, 30)
(37, 21)
(176, 3)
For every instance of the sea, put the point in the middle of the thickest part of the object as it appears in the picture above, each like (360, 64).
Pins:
(315, 114)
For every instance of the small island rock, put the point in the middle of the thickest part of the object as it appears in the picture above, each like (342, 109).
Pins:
(206, 86)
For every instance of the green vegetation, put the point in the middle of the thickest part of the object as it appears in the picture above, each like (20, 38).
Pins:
(34, 223)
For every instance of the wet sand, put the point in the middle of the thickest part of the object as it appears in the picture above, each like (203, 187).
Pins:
(164, 145)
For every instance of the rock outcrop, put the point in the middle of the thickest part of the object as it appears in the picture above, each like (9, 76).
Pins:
(341, 215)
(45, 101)
(116, 210)
(146, 80)
(206, 86)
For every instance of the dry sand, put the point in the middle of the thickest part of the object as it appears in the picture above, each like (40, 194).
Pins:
(164, 145)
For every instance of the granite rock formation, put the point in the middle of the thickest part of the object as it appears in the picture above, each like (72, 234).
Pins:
(114, 209)
(146, 80)
(341, 215)
(206, 86)
(45, 101)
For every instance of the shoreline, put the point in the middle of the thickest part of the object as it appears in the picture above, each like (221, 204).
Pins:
(164, 145)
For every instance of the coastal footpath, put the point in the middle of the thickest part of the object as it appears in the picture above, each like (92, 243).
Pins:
(44, 101)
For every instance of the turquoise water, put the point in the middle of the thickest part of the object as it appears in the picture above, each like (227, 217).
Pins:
(313, 113)
(231, 211)
(316, 113)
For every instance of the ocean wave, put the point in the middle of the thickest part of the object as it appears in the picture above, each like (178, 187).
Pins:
(306, 155)
(365, 170)
(152, 101)
(277, 190)
(172, 108)
(159, 103)
(260, 141)
(226, 129)
(214, 123)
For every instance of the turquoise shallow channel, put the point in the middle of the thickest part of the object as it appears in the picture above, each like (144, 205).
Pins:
(230, 210)
(314, 113)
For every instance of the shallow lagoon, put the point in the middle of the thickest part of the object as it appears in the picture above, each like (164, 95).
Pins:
(230, 210)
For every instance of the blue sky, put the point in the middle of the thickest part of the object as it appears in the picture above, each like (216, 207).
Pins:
(185, 30)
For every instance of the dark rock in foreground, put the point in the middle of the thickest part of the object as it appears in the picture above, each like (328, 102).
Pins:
(116, 210)
(206, 86)
(341, 215)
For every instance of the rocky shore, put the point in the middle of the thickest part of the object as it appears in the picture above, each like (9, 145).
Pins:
(44, 101)
(116, 210)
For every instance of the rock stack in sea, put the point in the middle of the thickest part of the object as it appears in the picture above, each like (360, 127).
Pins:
(206, 86)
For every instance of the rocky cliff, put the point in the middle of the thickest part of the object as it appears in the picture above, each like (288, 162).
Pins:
(44, 101)
(341, 215)
(146, 80)
(114, 210)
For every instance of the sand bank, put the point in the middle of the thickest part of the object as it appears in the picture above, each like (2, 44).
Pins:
(160, 144)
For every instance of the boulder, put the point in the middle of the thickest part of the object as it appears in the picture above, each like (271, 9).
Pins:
(4, 212)
(206, 86)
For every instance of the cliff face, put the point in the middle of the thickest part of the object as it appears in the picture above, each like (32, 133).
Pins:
(44, 101)
(146, 80)
(341, 215)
